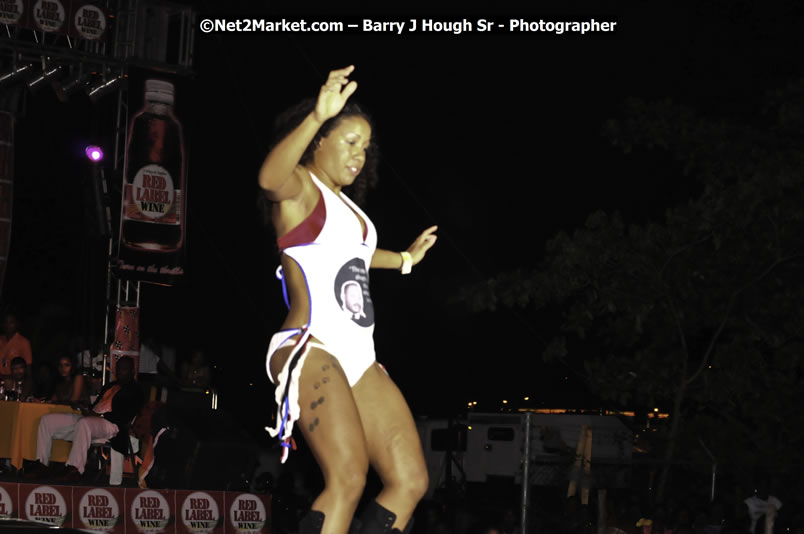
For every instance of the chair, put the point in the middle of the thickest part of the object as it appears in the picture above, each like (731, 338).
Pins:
(114, 458)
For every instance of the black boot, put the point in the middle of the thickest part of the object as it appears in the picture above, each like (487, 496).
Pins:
(312, 523)
(376, 520)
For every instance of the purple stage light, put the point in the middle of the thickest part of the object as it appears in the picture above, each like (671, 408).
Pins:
(94, 153)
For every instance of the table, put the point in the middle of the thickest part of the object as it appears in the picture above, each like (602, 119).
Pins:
(19, 424)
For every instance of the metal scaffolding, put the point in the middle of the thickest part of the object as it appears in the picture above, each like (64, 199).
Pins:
(146, 34)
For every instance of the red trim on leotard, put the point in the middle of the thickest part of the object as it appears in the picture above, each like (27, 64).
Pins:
(307, 231)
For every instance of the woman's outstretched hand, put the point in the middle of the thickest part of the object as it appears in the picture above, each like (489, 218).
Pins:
(334, 93)
(422, 244)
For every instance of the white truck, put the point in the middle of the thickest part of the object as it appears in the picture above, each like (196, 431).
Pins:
(481, 446)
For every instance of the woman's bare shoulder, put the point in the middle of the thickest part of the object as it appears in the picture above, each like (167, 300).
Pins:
(290, 212)
(293, 188)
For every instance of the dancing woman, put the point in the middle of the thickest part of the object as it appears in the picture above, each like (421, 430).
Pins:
(322, 360)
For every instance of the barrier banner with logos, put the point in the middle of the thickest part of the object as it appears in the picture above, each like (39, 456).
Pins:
(76, 18)
(115, 510)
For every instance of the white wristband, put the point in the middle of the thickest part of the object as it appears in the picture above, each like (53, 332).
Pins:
(407, 262)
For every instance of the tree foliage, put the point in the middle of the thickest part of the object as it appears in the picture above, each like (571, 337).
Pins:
(698, 312)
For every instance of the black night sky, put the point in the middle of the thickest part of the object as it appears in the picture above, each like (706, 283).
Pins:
(497, 138)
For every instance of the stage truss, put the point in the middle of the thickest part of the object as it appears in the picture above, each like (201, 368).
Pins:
(89, 46)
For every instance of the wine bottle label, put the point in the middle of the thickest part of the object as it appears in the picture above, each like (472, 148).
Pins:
(151, 197)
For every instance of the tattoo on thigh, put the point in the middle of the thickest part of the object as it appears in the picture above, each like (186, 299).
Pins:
(316, 403)
(312, 425)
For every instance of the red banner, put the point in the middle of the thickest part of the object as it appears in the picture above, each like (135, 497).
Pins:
(51, 505)
(9, 500)
(150, 511)
(200, 512)
(247, 513)
(99, 509)
(137, 511)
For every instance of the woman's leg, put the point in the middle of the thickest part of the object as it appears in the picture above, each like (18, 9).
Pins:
(394, 447)
(331, 425)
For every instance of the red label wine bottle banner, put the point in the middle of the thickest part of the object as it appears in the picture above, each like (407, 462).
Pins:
(152, 227)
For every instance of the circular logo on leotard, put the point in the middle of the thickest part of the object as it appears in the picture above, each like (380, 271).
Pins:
(352, 292)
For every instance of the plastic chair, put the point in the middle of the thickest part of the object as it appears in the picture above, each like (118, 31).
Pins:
(115, 459)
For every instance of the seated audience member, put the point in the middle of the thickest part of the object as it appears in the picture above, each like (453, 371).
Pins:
(71, 387)
(109, 418)
(19, 377)
(195, 374)
(12, 344)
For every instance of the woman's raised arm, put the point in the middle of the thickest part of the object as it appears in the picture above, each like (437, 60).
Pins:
(278, 175)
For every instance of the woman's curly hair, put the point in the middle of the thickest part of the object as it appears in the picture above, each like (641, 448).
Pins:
(290, 119)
